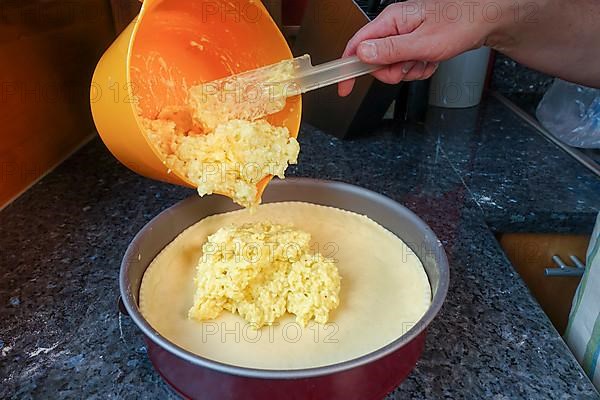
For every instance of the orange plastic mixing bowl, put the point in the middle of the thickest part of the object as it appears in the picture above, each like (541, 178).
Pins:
(170, 46)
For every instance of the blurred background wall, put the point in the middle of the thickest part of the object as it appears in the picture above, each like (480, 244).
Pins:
(48, 50)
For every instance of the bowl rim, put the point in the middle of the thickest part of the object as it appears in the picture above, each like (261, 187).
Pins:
(419, 328)
(147, 7)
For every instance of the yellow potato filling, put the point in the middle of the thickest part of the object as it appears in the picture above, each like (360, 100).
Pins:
(232, 160)
(261, 271)
(217, 142)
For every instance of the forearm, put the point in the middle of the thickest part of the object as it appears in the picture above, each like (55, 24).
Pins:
(560, 38)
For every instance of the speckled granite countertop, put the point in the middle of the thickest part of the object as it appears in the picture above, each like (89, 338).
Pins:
(467, 173)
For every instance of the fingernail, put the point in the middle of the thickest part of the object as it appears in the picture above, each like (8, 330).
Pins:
(368, 50)
(407, 66)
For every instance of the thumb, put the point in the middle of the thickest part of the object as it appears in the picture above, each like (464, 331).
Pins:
(388, 50)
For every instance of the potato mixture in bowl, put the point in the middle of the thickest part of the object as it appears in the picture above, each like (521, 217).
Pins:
(231, 161)
(215, 141)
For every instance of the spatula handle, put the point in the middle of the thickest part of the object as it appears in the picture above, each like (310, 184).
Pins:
(311, 78)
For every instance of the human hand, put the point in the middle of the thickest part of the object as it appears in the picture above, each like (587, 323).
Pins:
(410, 40)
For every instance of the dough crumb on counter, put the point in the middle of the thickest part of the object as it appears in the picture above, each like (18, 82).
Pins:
(261, 271)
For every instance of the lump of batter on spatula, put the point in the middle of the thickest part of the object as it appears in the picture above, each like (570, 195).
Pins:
(249, 96)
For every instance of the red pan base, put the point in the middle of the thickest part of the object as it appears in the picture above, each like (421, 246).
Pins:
(370, 381)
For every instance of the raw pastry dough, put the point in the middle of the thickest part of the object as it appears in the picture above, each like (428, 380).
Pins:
(385, 292)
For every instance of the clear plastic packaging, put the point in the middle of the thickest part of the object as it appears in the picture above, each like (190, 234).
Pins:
(571, 112)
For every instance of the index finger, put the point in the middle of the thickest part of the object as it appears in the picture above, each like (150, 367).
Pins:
(396, 19)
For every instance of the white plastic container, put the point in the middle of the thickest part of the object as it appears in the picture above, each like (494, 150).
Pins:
(458, 82)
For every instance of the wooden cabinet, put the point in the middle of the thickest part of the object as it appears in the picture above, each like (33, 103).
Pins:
(531, 253)
(49, 49)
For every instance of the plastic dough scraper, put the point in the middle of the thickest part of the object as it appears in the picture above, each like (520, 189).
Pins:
(257, 93)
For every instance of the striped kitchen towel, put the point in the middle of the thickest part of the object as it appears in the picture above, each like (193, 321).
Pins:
(583, 330)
